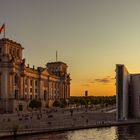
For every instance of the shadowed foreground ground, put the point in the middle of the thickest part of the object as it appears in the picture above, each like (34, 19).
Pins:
(53, 120)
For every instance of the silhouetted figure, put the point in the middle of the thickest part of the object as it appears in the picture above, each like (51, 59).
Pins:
(87, 121)
(71, 112)
(15, 135)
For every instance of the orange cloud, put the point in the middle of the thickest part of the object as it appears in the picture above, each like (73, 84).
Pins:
(104, 80)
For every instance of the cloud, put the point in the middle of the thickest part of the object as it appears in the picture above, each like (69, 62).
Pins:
(104, 80)
(86, 85)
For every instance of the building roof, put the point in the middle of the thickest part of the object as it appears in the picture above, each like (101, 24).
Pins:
(57, 62)
(135, 74)
(10, 41)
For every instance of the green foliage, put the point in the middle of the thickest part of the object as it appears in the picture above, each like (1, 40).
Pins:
(71, 101)
(56, 103)
(102, 100)
(35, 104)
(15, 129)
(83, 101)
(63, 103)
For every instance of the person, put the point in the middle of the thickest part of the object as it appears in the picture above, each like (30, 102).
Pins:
(87, 121)
(71, 111)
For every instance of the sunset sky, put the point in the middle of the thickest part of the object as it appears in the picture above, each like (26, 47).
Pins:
(91, 36)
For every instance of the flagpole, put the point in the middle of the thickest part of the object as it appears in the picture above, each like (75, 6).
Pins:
(2, 29)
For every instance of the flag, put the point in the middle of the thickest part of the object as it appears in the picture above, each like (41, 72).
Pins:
(2, 28)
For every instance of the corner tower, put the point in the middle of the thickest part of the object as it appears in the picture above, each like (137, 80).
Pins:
(11, 67)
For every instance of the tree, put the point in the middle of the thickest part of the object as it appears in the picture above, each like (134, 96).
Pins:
(15, 130)
(35, 104)
(71, 101)
(56, 103)
(63, 103)
(94, 100)
(83, 101)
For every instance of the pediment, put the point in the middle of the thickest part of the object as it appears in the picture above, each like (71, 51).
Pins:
(44, 72)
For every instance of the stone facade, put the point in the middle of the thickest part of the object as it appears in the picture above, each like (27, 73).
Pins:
(20, 83)
(127, 94)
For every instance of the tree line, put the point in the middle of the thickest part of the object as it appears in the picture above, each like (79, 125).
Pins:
(103, 101)
(93, 100)
(89, 100)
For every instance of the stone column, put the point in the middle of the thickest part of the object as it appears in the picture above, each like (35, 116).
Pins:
(57, 85)
(22, 86)
(51, 90)
(41, 89)
(11, 85)
(48, 89)
(61, 90)
(5, 89)
(28, 87)
(33, 89)
(68, 90)
(0, 85)
(4, 84)
(65, 90)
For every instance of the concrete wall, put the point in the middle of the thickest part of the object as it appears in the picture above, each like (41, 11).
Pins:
(122, 92)
(126, 91)
(135, 98)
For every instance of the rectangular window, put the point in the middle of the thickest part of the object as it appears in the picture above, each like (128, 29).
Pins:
(36, 83)
(31, 82)
(16, 94)
(31, 90)
(36, 90)
(45, 94)
(36, 97)
(30, 97)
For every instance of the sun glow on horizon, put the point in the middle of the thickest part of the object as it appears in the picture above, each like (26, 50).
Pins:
(91, 37)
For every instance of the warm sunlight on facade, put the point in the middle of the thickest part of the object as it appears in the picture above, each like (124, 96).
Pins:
(90, 36)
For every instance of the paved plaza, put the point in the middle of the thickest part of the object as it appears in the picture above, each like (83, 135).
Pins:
(55, 118)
